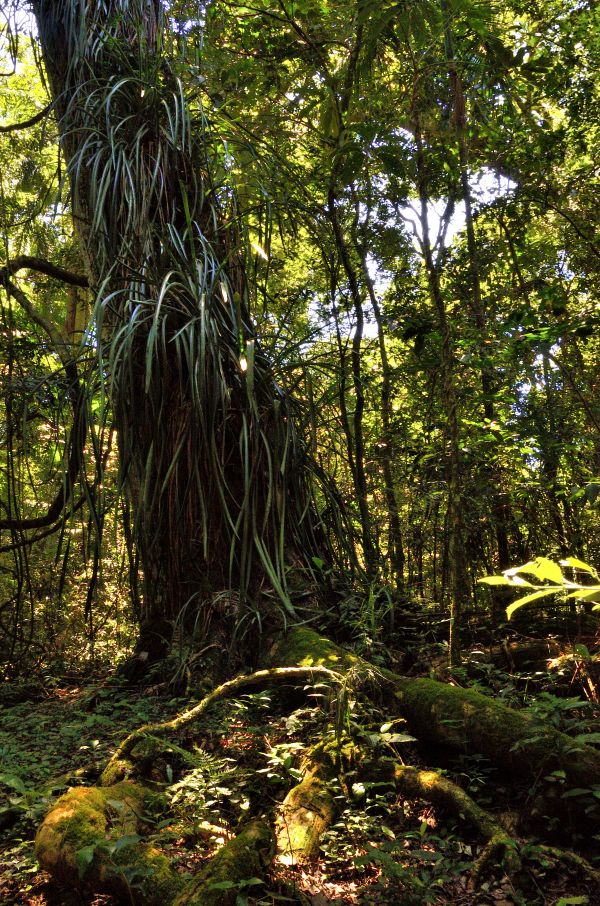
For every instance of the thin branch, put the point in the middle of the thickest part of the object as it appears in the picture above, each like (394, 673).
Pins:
(47, 326)
(22, 262)
(77, 435)
(33, 539)
(32, 121)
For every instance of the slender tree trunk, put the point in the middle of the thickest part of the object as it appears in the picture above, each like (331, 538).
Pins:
(395, 545)
(360, 475)
(499, 505)
(458, 581)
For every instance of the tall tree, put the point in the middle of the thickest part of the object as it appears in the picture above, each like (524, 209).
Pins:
(212, 465)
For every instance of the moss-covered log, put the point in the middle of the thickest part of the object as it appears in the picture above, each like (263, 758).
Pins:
(245, 857)
(91, 837)
(460, 718)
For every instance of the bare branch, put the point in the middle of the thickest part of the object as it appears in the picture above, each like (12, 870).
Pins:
(32, 121)
(23, 262)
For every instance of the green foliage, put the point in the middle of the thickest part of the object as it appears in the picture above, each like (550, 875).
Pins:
(556, 583)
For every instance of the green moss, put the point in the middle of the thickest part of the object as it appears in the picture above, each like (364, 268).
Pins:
(94, 820)
(306, 813)
(461, 718)
(303, 647)
(468, 720)
(77, 820)
(244, 857)
(143, 873)
(116, 770)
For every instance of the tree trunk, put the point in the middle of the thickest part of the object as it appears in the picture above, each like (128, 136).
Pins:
(210, 462)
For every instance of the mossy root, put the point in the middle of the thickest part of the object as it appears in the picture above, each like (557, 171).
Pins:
(242, 859)
(305, 814)
(91, 837)
(460, 718)
(431, 786)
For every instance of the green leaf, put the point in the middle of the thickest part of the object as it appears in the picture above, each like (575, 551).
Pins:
(587, 738)
(122, 842)
(573, 901)
(574, 563)
(400, 737)
(84, 858)
(12, 781)
(544, 569)
(494, 580)
(542, 593)
(592, 593)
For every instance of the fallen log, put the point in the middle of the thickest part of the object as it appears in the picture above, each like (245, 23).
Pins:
(463, 719)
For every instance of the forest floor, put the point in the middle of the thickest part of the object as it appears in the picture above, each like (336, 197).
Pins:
(381, 849)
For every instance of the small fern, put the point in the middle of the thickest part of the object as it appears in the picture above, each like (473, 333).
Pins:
(195, 796)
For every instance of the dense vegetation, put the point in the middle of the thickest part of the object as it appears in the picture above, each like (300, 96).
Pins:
(299, 327)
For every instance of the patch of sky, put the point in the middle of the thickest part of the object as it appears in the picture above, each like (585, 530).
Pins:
(486, 187)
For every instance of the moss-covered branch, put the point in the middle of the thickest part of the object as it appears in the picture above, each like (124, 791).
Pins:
(434, 788)
(120, 763)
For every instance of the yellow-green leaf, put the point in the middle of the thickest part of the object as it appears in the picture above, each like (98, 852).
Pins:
(543, 593)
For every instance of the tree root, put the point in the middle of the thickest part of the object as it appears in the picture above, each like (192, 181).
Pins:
(431, 786)
(460, 718)
(92, 837)
(121, 763)
(567, 855)
(244, 858)
(306, 812)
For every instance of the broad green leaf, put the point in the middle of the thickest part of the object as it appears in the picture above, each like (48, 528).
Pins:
(544, 569)
(84, 858)
(588, 738)
(519, 569)
(521, 583)
(543, 593)
(574, 563)
(12, 781)
(122, 842)
(592, 593)
(494, 580)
